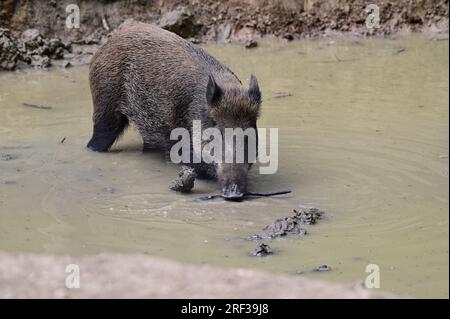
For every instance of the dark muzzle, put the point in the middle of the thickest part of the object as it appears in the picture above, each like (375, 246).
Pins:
(232, 192)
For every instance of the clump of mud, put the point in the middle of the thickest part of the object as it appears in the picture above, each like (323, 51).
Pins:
(291, 225)
(185, 180)
(262, 250)
(308, 216)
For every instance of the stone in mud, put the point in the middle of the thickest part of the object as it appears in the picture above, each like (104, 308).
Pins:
(322, 268)
(40, 62)
(250, 44)
(262, 250)
(32, 39)
(56, 48)
(288, 36)
(185, 180)
(291, 225)
(180, 21)
(308, 216)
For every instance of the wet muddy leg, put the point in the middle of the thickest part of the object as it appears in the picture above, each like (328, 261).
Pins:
(107, 128)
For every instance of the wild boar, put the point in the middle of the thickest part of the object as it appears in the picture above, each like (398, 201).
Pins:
(158, 81)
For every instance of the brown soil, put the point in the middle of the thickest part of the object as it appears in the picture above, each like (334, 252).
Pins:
(282, 18)
(208, 20)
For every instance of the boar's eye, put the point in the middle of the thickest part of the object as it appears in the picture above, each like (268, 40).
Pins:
(253, 91)
(213, 91)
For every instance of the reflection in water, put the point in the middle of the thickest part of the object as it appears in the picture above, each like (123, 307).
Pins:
(363, 135)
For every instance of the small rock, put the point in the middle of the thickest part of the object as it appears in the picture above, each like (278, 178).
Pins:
(262, 250)
(250, 44)
(40, 62)
(194, 40)
(91, 39)
(31, 38)
(180, 21)
(322, 268)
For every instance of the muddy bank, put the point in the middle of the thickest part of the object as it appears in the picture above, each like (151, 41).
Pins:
(203, 21)
(219, 20)
(139, 276)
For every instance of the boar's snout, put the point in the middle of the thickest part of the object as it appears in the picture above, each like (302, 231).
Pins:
(232, 192)
(233, 180)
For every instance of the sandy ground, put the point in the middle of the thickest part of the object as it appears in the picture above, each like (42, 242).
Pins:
(139, 276)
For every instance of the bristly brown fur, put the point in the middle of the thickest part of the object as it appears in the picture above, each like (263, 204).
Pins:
(236, 107)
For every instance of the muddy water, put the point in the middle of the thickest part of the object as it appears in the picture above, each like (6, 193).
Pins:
(363, 129)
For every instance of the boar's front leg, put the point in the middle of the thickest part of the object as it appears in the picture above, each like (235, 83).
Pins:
(185, 180)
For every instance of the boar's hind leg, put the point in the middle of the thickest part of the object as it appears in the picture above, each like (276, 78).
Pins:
(107, 128)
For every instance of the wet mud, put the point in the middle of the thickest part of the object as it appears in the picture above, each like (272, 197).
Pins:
(294, 225)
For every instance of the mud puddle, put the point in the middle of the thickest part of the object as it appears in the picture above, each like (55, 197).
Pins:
(363, 129)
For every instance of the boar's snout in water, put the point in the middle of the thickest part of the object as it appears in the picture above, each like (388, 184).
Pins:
(158, 81)
(233, 180)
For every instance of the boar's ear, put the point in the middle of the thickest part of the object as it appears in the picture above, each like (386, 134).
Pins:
(213, 91)
(253, 91)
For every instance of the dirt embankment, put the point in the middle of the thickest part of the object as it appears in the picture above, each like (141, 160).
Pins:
(138, 276)
(206, 20)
